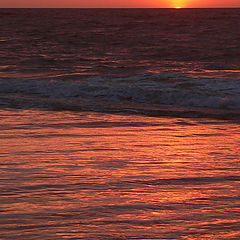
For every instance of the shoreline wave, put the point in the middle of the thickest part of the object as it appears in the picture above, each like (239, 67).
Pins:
(168, 94)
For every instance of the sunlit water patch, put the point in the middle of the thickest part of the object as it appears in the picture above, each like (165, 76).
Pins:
(99, 176)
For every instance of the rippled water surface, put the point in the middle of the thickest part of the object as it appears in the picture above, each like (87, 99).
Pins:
(153, 57)
(92, 176)
(89, 174)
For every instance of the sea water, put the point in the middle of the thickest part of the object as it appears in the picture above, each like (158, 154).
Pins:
(135, 57)
(119, 124)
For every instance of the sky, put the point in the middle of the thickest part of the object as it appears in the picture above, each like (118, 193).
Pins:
(120, 3)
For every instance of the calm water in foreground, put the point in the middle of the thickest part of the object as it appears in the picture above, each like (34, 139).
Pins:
(92, 176)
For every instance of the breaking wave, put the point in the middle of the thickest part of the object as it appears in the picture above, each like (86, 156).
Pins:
(148, 91)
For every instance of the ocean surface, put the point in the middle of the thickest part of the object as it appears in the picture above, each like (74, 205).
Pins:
(119, 124)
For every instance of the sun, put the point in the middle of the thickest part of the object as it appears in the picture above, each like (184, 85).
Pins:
(178, 4)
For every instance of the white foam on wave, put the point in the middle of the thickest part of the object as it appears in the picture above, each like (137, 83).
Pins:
(157, 89)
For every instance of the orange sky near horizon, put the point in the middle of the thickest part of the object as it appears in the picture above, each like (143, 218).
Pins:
(120, 3)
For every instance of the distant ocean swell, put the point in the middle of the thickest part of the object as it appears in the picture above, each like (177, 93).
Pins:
(145, 93)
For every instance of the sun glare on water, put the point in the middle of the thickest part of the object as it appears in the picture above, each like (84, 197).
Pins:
(178, 7)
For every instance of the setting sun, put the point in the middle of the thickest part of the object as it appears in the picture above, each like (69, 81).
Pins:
(178, 4)
(119, 4)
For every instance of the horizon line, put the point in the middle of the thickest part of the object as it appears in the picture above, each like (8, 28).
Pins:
(119, 8)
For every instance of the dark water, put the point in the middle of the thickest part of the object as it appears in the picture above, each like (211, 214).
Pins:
(151, 57)
(119, 124)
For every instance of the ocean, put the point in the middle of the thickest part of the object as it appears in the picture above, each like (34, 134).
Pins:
(119, 124)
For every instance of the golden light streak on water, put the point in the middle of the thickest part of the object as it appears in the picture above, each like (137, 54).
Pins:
(100, 176)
